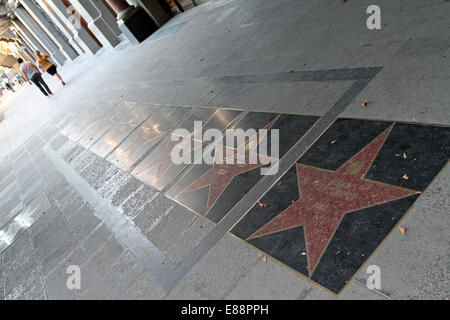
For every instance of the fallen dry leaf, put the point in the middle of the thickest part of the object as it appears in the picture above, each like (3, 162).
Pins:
(405, 177)
(402, 230)
(262, 205)
(202, 59)
(423, 110)
(364, 104)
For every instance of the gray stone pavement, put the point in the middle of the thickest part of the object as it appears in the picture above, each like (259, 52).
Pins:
(77, 207)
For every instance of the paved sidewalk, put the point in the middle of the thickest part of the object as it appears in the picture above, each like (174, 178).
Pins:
(85, 181)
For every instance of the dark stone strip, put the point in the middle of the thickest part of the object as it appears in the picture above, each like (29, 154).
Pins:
(347, 74)
(297, 76)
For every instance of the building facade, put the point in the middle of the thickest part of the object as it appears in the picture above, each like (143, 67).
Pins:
(67, 29)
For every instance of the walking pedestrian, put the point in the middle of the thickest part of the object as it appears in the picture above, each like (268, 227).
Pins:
(42, 59)
(31, 73)
(9, 87)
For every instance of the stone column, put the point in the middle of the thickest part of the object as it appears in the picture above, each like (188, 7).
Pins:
(26, 35)
(135, 23)
(61, 25)
(28, 52)
(120, 7)
(43, 43)
(80, 35)
(64, 46)
(107, 16)
(98, 18)
(155, 10)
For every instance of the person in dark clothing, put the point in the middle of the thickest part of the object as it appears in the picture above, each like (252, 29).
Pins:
(9, 87)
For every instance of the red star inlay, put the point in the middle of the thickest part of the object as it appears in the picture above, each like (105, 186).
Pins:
(326, 196)
(221, 174)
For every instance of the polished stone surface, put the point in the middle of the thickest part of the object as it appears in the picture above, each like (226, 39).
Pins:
(127, 123)
(146, 136)
(103, 118)
(157, 169)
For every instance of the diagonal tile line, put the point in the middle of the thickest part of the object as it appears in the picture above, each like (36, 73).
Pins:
(124, 231)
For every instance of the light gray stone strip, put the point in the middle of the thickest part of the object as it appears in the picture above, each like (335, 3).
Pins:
(124, 231)
(20, 223)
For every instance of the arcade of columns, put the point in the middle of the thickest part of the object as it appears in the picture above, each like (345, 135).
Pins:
(68, 28)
